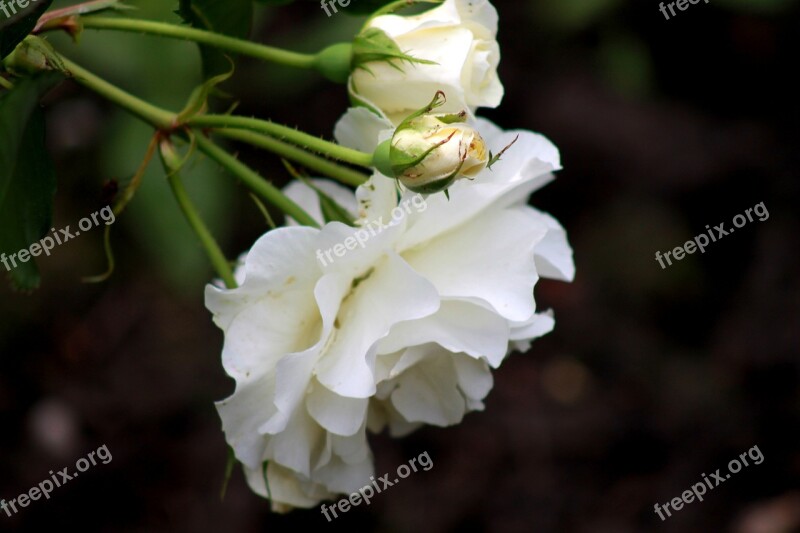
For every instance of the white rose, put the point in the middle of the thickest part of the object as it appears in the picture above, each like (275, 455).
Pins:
(436, 369)
(321, 342)
(460, 37)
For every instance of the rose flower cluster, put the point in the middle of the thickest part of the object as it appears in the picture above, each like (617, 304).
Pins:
(405, 330)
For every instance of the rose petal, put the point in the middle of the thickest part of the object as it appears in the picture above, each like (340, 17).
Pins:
(347, 367)
(460, 267)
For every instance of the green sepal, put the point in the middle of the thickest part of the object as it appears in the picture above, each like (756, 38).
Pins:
(198, 101)
(453, 118)
(439, 100)
(229, 464)
(373, 44)
(34, 55)
(402, 161)
(433, 187)
(495, 158)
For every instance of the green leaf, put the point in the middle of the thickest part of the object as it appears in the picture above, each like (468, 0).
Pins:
(15, 28)
(27, 175)
(229, 17)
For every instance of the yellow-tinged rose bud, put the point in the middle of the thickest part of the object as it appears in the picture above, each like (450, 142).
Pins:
(446, 152)
(429, 152)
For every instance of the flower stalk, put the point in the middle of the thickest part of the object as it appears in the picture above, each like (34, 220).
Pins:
(172, 165)
(254, 182)
(282, 132)
(298, 155)
(222, 42)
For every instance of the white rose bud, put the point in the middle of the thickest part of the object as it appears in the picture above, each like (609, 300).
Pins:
(448, 152)
(429, 152)
(452, 47)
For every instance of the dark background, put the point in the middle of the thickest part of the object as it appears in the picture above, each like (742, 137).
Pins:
(652, 377)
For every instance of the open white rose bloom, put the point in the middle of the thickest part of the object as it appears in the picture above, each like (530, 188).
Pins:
(459, 36)
(399, 332)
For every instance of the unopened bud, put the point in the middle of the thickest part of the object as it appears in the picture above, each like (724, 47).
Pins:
(429, 152)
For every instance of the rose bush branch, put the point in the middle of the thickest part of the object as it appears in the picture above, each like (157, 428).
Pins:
(168, 122)
(298, 155)
(281, 132)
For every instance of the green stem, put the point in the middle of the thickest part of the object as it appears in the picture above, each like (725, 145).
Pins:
(155, 116)
(255, 182)
(286, 133)
(328, 168)
(163, 119)
(223, 42)
(213, 250)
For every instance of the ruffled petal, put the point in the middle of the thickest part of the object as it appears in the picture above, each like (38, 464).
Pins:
(392, 293)
(337, 414)
(554, 254)
(489, 261)
(522, 333)
(428, 392)
(458, 327)
(286, 488)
